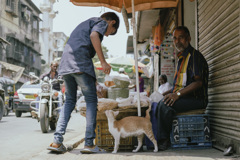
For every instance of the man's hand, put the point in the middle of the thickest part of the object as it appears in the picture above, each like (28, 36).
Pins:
(106, 67)
(170, 99)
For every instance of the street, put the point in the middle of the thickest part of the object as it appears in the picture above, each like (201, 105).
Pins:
(21, 138)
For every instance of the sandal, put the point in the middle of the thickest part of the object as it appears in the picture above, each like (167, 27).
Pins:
(96, 149)
(60, 149)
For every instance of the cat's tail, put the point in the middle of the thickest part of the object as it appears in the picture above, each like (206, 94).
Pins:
(148, 110)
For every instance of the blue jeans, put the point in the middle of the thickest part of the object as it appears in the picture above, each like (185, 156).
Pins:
(165, 114)
(88, 87)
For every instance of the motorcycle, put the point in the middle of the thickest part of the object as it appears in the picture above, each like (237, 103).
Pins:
(4, 99)
(48, 111)
(9, 100)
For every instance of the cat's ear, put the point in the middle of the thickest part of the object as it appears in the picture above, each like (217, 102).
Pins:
(116, 113)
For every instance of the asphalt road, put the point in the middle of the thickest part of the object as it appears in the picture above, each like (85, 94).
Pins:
(22, 138)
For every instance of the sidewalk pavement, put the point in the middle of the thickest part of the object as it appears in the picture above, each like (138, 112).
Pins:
(74, 145)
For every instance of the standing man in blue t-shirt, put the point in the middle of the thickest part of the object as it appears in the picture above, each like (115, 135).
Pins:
(77, 69)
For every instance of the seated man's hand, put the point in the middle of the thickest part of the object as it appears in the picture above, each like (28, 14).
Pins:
(170, 99)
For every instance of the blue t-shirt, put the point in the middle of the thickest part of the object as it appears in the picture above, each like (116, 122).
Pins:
(78, 52)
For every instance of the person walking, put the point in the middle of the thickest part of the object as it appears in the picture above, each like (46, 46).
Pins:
(76, 68)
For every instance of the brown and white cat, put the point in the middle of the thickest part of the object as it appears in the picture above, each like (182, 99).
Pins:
(130, 126)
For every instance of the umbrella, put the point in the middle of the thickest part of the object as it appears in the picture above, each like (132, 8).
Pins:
(120, 62)
(133, 5)
(117, 5)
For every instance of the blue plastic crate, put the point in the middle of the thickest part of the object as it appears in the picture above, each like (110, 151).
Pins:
(191, 131)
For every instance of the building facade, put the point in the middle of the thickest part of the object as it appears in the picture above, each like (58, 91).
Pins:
(19, 31)
(46, 35)
(59, 39)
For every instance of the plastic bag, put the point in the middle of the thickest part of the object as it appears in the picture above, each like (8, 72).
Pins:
(101, 91)
(108, 81)
(125, 102)
(135, 94)
(144, 100)
(156, 96)
(109, 78)
(148, 69)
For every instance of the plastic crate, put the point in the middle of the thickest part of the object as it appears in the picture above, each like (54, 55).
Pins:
(105, 140)
(191, 131)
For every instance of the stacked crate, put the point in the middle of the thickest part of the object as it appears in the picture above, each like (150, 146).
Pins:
(105, 140)
(191, 131)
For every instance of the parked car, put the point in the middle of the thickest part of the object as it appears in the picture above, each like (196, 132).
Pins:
(23, 96)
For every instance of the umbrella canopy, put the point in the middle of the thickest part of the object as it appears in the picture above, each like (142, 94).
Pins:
(117, 5)
(121, 62)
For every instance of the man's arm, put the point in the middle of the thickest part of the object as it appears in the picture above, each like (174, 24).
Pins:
(171, 98)
(94, 36)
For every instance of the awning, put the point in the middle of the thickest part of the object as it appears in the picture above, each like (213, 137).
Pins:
(4, 41)
(117, 5)
(16, 69)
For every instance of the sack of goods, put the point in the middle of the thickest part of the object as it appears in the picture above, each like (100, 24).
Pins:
(114, 93)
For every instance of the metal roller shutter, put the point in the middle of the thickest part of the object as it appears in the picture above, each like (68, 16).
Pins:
(219, 41)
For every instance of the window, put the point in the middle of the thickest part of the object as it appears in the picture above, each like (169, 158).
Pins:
(10, 4)
(11, 7)
(35, 24)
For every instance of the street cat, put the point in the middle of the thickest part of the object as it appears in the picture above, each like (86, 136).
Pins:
(130, 126)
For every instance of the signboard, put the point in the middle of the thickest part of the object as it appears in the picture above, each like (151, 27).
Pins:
(168, 58)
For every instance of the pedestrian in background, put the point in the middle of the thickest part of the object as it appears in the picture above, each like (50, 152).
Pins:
(164, 85)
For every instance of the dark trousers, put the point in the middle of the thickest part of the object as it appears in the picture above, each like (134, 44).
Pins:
(165, 114)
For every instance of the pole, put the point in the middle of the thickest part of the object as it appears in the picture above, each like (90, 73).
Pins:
(136, 58)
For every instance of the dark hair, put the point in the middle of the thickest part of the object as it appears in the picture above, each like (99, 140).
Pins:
(164, 77)
(139, 73)
(112, 16)
(183, 28)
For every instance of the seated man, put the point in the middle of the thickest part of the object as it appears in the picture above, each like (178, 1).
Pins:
(190, 86)
(164, 85)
